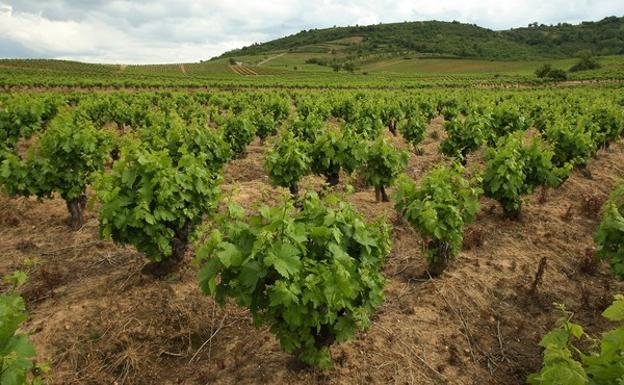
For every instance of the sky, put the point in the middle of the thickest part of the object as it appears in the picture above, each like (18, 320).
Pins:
(168, 31)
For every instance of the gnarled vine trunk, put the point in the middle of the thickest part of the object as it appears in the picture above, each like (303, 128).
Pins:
(179, 245)
(585, 171)
(442, 252)
(464, 157)
(512, 214)
(294, 191)
(380, 194)
(392, 127)
(76, 208)
(114, 154)
(333, 178)
(324, 337)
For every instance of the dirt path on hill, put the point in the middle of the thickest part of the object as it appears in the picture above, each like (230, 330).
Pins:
(271, 58)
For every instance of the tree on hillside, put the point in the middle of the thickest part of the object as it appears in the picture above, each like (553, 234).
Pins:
(543, 71)
(587, 61)
(547, 71)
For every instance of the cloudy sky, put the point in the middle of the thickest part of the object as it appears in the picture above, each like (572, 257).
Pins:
(161, 31)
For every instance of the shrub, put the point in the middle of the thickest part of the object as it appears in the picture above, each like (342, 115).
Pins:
(514, 169)
(586, 62)
(333, 151)
(439, 208)
(391, 114)
(17, 353)
(572, 142)
(308, 128)
(152, 201)
(558, 75)
(238, 133)
(62, 161)
(287, 162)
(381, 165)
(569, 361)
(543, 71)
(464, 136)
(546, 71)
(610, 235)
(609, 124)
(21, 116)
(168, 132)
(413, 129)
(506, 118)
(313, 276)
(264, 124)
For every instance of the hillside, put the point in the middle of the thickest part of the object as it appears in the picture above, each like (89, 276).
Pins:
(605, 37)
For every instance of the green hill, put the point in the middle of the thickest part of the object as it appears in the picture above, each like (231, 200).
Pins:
(451, 39)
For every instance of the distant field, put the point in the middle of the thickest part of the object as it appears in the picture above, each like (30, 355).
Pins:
(291, 70)
(458, 66)
(206, 67)
(349, 40)
(298, 59)
(420, 65)
(58, 65)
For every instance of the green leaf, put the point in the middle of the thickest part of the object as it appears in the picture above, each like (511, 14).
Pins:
(17, 278)
(615, 312)
(229, 255)
(250, 274)
(285, 259)
(281, 294)
(236, 211)
(561, 373)
(207, 276)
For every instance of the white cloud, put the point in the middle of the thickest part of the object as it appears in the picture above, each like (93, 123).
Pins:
(172, 31)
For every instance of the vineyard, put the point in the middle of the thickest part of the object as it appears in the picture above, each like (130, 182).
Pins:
(291, 71)
(307, 234)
